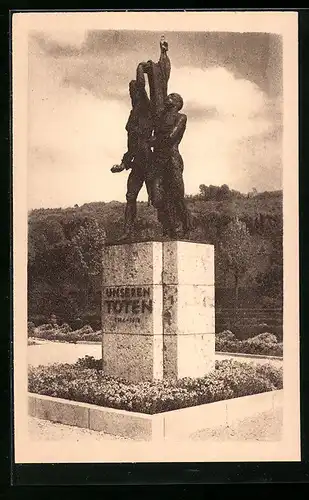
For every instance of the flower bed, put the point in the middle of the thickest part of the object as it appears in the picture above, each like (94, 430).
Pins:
(263, 344)
(85, 382)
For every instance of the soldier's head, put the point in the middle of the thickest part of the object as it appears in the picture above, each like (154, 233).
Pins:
(174, 101)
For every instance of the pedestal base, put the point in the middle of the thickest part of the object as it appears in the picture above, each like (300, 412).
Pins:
(133, 357)
(158, 316)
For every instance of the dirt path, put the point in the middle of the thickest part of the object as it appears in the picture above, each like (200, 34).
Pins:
(51, 431)
(263, 427)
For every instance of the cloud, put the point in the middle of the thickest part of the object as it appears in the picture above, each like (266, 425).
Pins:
(59, 42)
(217, 88)
(74, 139)
(234, 131)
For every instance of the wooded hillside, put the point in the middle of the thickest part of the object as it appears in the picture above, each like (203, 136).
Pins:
(64, 251)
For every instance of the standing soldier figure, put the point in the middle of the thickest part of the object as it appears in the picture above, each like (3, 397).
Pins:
(169, 166)
(169, 127)
(138, 156)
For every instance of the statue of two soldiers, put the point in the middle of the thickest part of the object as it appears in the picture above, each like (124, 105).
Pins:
(154, 129)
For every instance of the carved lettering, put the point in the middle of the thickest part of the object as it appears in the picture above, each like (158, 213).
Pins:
(127, 301)
(147, 305)
(135, 306)
(127, 304)
(117, 306)
(109, 304)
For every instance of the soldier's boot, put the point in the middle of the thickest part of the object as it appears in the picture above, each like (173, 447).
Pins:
(129, 217)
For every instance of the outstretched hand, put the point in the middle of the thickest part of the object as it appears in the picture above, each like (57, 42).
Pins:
(117, 168)
(163, 44)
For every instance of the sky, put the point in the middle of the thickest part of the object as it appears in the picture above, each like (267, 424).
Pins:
(78, 105)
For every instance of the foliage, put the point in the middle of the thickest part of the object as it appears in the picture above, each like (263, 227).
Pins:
(226, 341)
(64, 263)
(268, 338)
(64, 334)
(263, 344)
(236, 249)
(226, 335)
(64, 250)
(218, 193)
(89, 362)
(31, 328)
(84, 381)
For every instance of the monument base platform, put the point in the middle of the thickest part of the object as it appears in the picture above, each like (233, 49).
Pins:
(158, 316)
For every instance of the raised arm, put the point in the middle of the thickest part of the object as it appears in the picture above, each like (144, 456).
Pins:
(141, 83)
(164, 60)
(140, 75)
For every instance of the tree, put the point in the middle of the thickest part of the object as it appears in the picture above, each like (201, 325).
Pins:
(236, 250)
(203, 191)
(223, 193)
(87, 245)
(86, 258)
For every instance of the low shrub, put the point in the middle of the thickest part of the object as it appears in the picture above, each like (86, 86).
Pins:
(245, 347)
(64, 333)
(226, 335)
(64, 328)
(271, 373)
(85, 330)
(268, 338)
(45, 327)
(86, 382)
(31, 328)
(263, 344)
(89, 362)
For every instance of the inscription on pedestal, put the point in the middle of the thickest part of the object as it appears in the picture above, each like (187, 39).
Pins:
(158, 310)
(127, 305)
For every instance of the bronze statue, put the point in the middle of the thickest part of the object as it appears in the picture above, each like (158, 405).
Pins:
(170, 199)
(169, 127)
(155, 123)
(138, 156)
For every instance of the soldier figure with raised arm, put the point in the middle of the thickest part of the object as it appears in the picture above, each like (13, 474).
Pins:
(138, 156)
(169, 127)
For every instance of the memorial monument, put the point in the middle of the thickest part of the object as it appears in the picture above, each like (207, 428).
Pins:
(158, 318)
(155, 128)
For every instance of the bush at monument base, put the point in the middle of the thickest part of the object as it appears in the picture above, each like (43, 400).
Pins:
(85, 382)
(263, 344)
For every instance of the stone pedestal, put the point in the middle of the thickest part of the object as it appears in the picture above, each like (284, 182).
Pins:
(158, 316)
